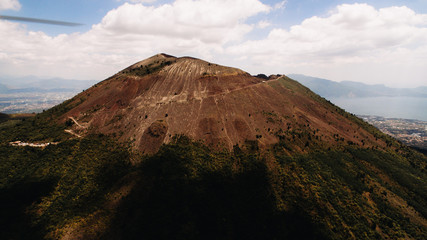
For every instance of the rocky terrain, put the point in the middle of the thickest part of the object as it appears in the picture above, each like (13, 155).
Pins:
(155, 99)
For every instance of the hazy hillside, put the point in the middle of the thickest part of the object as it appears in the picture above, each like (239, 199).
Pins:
(3, 88)
(327, 88)
(33, 84)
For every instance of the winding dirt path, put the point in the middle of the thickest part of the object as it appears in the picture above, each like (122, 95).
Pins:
(78, 124)
(72, 133)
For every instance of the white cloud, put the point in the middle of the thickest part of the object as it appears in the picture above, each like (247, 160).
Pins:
(280, 5)
(142, 1)
(10, 5)
(263, 24)
(354, 42)
(138, 1)
(126, 35)
(209, 21)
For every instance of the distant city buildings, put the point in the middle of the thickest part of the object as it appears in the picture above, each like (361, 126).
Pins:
(408, 131)
(32, 102)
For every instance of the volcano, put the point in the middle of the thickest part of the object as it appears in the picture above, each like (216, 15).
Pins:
(150, 102)
(180, 148)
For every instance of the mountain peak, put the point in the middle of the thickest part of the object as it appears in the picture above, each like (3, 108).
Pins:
(153, 100)
(161, 57)
(184, 67)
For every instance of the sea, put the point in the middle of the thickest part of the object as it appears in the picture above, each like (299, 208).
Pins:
(388, 107)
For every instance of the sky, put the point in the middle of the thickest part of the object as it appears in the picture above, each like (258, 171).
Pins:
(373, 42)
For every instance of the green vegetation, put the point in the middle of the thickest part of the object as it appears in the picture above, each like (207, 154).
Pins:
(3, 117)
(189, 191)
(44, 190)
(202, 194)
(147, 69)
(36, 129)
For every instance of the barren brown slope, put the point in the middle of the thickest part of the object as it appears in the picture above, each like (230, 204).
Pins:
(162, 96)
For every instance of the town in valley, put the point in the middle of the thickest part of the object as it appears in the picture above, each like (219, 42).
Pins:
(409, 131)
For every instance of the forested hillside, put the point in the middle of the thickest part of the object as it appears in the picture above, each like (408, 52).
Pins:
(95, 188)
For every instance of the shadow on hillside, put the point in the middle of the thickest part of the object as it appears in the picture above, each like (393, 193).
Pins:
(421, 150)
(15, 222)
(169, 204)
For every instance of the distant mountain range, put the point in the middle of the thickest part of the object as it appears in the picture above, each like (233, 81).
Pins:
(331, 89)
(29, 84)
(3, 88)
